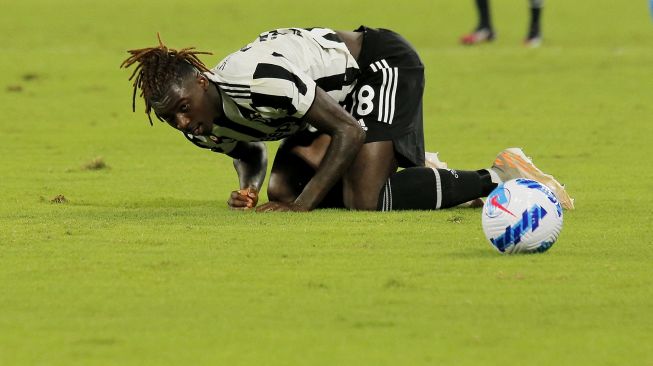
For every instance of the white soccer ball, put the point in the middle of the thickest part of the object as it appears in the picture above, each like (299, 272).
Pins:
(522, 216)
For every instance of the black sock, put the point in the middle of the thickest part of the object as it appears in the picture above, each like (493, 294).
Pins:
(534, 29)
(483, 8)
(487, 185)
(424, 188)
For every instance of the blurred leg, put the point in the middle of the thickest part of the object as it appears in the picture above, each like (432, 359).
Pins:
(534, 35)
(483, 31)
(484, 20)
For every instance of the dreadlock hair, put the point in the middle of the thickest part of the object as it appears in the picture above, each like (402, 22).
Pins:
(158, 67)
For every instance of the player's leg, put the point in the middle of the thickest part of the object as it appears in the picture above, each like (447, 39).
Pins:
(372, 183)
(483, 31)
(484, 20)
(424, 188)
(387, 102)
(295, 164)
(534, 35)
(288, 177)
(370, 170)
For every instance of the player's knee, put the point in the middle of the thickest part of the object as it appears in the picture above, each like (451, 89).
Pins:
(278, 190)
(360, 201)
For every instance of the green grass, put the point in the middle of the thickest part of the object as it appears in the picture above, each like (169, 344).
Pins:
(144, 264)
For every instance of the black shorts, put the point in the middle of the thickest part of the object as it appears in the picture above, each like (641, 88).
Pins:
(387, 98)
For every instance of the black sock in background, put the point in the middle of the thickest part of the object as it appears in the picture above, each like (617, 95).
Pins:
(483, 8)
(534, 30)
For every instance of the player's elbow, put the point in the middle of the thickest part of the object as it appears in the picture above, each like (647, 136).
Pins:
(356, 134)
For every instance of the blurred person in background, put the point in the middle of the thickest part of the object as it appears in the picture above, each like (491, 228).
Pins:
(484, 31)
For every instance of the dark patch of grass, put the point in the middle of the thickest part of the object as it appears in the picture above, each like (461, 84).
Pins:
(317, 285)
(455, 219)
(163, 265)
(394, 283)
(374, 324)
(59, 199)
(95, 164)
(30, 76)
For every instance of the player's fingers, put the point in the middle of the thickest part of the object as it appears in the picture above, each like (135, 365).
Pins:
(237, 196)
(237, 200)
(251, 194)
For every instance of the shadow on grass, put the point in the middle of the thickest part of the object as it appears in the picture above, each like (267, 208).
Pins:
(483, 253)
(475, 253)
(158, 203)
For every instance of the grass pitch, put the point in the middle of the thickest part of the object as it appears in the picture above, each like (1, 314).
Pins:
(116, 246)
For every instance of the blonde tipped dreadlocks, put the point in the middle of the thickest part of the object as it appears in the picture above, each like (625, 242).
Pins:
(157, 68)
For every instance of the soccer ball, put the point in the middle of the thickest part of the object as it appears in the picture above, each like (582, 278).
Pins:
(522, 216)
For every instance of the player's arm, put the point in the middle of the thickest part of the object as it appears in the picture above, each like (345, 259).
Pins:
(250, 161)
(347, 137)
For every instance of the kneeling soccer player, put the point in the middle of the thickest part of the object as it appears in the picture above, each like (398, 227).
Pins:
(348, 106)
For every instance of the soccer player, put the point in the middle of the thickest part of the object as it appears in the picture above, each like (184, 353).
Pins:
(347, 105)
(484, 31)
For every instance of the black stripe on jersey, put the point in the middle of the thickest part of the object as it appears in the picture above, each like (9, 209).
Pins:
(232, 85)
(277, 72)
(247, 114)
(350, 75)
(235, 90)
(332, 37)
(238, 93)
(240, 96)
(336, 82)
(276, 54)
(227, 123)
(274, 101)
(329, 83)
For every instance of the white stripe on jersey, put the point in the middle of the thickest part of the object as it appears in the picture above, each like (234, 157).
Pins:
(354, 97)
(388, 90)
(395, 71)
(386, 105)
(392, 91)
(381, 116)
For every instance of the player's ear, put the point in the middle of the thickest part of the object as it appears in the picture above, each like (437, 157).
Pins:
(203, 81)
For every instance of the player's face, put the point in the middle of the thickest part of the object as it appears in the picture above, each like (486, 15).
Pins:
(190, 107)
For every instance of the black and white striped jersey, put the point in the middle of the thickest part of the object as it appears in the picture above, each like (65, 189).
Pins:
(268, 85)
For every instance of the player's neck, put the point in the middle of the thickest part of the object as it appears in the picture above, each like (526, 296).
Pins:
(353, 41)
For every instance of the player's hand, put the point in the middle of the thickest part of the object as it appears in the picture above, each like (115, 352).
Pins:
(243, 199)
(280, 207)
